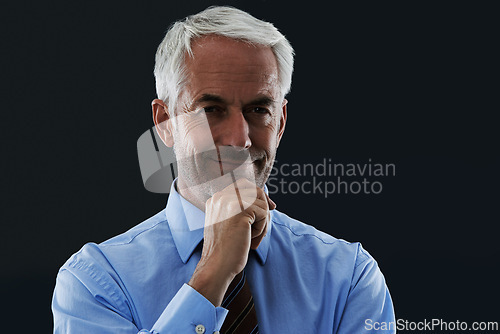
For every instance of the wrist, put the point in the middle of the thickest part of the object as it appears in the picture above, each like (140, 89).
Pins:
(211, 282)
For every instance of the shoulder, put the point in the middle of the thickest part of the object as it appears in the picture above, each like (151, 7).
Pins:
(308, 238)
(98, 255)
(148, 228)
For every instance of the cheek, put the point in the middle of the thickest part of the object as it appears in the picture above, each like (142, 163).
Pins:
(193, 135)
(264, 139)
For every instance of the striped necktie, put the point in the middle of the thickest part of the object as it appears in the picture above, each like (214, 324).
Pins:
(242, 318)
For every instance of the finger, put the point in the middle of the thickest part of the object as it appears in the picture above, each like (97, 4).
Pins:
(250, 196)
(255, 242)
(258, 224)
(239, 189)
(244, 184)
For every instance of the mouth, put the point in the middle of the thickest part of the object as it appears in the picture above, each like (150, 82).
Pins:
(227, 160)
(228, 166)
(232, 163)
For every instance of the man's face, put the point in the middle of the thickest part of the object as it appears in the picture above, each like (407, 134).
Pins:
(232, 115)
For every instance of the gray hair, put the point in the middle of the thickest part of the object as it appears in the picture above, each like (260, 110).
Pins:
(170, 71)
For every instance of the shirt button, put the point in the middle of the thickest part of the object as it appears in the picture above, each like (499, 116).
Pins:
(216, 332)
(200, 329)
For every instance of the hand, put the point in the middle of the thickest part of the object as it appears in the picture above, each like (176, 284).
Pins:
(236, 221)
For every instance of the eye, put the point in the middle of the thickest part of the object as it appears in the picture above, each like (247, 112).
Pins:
(211, 109)
(259, 110)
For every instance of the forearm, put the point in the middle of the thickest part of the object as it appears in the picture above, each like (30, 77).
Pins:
(211, 281)
(81, 306)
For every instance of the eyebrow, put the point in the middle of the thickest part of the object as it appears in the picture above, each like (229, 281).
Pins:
(206, 98)
(265, 101)
(261, 100)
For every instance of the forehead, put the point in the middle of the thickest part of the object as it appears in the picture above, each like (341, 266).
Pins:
(231, 68)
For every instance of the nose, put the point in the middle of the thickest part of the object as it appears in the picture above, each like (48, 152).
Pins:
(234, 131)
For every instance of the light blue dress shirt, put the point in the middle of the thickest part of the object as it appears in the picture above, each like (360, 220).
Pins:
(302, 281)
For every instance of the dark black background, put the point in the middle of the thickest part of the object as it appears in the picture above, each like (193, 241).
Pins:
(411, 84)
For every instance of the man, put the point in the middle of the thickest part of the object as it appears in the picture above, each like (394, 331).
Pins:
(220, 258)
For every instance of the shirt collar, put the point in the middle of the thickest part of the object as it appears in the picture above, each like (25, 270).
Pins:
(186, 223)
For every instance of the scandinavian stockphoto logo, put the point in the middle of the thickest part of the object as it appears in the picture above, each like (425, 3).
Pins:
(210, 169)
(159, 168)
(327, 177)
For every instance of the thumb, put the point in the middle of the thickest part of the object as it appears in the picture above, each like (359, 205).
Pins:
(271, 203)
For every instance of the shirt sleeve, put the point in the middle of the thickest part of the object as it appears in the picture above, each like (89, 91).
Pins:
(369, 307)
(86, 302)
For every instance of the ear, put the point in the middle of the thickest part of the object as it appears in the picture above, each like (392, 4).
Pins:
(282, 121)
(163, 124)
